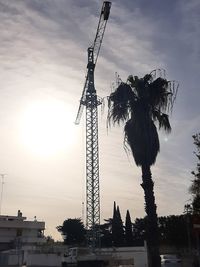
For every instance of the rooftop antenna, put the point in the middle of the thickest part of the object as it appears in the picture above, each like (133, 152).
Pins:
(2, 184)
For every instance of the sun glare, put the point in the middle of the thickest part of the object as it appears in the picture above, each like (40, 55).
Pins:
(47, 127)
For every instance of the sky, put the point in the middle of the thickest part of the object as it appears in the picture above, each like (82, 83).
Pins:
(43, 59)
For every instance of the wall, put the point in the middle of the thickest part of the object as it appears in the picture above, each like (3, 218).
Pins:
(139, 254)
(17, 259)
(43, 260)
(54, 259)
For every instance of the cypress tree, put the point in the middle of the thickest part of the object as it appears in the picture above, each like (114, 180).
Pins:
(128, 230)
(117, 228)
(120, 229)
(114, 210)
(114, 225)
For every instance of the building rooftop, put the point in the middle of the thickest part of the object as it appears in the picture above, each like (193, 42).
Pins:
(11, 218)
(19, 221)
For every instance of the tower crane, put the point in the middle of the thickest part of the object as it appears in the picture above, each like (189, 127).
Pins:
(91, 101)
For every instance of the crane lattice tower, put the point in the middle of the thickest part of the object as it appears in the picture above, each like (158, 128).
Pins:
(91, 101)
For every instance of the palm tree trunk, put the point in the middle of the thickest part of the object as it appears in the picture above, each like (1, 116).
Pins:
(152, 234)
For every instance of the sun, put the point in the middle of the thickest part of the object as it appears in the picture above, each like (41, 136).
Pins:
(47, 127)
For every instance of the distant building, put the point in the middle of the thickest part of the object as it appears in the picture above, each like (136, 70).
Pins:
(17, 232)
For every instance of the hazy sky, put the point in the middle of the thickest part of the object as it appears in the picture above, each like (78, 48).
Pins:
(43, 58)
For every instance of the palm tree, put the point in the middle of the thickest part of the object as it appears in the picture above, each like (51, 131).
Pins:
(139, 103)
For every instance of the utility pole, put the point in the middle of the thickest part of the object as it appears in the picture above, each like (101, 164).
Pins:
(2, 184)
(83, 213)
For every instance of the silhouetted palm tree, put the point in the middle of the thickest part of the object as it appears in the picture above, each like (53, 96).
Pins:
(139, 103)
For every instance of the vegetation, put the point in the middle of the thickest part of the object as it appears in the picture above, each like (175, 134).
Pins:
(139, 103)
(117, 228)
(139, 227)
(49, 239)
(195, 187)
(73, 231)
(172, 231)
(114, 233)
(128, 230)
(106, 233)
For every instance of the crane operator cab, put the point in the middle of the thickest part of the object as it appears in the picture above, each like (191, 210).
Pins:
(106, 9)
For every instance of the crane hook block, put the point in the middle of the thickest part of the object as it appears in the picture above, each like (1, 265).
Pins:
(106, 9)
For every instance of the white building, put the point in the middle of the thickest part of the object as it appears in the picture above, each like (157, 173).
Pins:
(16, 232)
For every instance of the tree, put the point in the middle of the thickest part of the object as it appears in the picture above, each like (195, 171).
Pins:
(106, 233)
(195, 187)
(114, 225)
(117, 228)
(139, 103)
(173, 230)
(128, 230)
(49, 239)
(73, 231)
(139, 227)
(120, 228)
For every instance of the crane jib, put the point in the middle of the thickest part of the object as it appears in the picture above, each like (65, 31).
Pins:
(106, 9)
(105, 12)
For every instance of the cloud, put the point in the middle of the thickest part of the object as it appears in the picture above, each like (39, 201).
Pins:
(43, 53)
(191, 28)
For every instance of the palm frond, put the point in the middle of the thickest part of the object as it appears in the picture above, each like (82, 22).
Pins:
(148, 78)
(166, 91)
(156, 114)
(158, 73)
(119, 103)
(162, 119)
(159, 94)
(164, 122)
(173, 89)
(134, 81)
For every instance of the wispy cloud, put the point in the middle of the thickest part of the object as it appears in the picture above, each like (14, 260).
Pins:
(43, 53)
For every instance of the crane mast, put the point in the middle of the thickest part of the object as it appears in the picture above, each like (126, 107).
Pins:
(91, 101)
